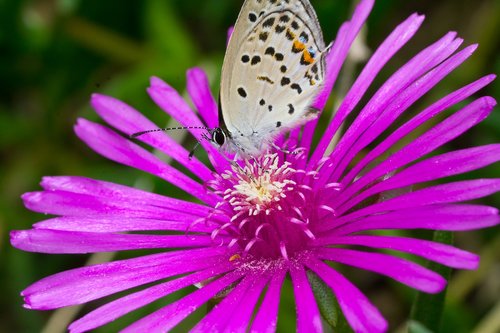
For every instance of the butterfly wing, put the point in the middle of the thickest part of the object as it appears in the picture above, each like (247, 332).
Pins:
(273, 69)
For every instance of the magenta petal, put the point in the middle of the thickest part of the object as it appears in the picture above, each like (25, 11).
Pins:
(172, 103)
(335, 59)
(445, 165)
(121, 193)
(401, 270)
(128, 120)
(266, 318)
(230, 31)
(399, 37)
(433, 217)
(233, 313)
(337, 55)
(168, 317)
(446, 193)
(55, 241)
(81, 285)
(401, 103)
(308, 316)
(199, 90)
(444, 254)
(246, 306)
(131, 302)
(361, 314)
(116, 148)
(106, 224)
(440, 134)
(440, 194)
(406, 75)
(75, 204)
(428, 113)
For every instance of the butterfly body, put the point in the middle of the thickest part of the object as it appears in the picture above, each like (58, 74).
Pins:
(273, 69)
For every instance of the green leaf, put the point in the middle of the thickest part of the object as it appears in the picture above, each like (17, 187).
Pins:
(427, 309)
(416, 327)
(169, 36)
(328, 305)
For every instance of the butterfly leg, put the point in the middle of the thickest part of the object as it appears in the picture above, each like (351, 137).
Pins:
(295, 151)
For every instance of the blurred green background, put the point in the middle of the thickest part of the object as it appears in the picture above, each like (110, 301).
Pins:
(55, 53)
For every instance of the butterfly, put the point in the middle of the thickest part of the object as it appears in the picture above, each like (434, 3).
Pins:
(273, 68)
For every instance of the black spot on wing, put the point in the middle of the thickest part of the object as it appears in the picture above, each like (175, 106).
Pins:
(280, 28)
(283, 69)
(285, 81)
(265, 79)
(291, 109)
(242, 92)
(285, 18)
(263, 36)
(252, 17)
(304, 37)
(278, 124)
(262, 102)
(268, 23)
(255, 60)
(270, 51)
(297, 87)
(279, 56)
(245, 58)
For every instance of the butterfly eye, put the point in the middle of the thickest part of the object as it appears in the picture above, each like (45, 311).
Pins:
(218, 136)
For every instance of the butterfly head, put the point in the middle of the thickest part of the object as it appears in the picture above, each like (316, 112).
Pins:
(219, 137)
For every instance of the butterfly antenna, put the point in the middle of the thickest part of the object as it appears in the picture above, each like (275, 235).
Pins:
(137, 134)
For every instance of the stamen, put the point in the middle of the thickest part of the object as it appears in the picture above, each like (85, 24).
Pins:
(327, 208)
(335, 185)
(299, 213)
(267, 193)
(297, 221)
(262, 226)
(242, 223)
(306, 187)
(283, 251)
(251, 244)
(232, 242)
(309, 233)
(302, 196)
(236, 216)
(258, 189)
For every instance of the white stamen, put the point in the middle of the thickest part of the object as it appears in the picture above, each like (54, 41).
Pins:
(327, 208)
(258, 189)
(283, 251)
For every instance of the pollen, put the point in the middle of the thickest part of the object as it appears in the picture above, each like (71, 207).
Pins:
(271, 208)
(259, 187)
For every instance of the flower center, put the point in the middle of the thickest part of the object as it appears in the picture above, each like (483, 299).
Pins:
(272, 208)
(259, 187)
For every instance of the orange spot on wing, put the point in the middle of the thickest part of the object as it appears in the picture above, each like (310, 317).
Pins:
(298, 46)
(307, 57)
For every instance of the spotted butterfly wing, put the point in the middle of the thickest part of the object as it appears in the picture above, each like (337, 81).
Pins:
(273, 68)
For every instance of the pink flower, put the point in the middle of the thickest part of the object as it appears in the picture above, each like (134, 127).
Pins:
(284, 216)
